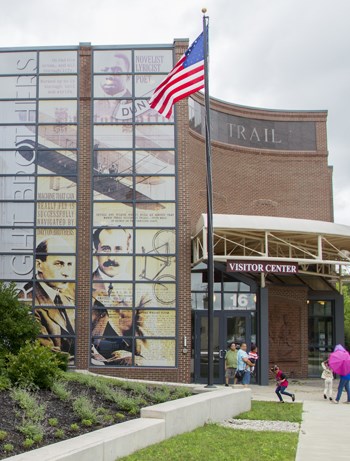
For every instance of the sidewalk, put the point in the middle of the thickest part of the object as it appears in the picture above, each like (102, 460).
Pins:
(324, 433)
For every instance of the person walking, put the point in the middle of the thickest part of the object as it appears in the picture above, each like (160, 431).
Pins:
(344, 382)
(282, 384)
(327, 375)
(230, 364)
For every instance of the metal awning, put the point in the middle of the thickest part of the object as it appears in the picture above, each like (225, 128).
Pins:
(319, 247)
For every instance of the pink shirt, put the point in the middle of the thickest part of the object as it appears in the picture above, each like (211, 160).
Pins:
(280, 380)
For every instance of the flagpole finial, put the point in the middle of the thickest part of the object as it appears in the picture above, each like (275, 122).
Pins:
(204, 10)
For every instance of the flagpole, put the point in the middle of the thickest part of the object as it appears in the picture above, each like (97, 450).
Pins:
(210, 245)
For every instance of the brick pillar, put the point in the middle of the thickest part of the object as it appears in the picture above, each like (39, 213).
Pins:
(183, 233)
(83, 294)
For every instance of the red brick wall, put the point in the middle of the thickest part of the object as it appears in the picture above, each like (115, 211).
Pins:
(288, 323)
(262, 182)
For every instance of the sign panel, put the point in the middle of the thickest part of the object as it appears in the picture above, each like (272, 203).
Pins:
(267, 267)
(254, 133)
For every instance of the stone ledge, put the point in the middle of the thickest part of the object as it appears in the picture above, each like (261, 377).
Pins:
(185, 415)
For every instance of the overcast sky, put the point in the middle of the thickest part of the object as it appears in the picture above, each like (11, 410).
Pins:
(276, 54)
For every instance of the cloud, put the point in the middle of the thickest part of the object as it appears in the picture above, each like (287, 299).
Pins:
(277, 54)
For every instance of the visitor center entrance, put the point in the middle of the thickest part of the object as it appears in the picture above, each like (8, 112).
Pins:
(234, 320)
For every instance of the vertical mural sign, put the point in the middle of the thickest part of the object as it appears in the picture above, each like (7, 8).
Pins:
(133, 310)
(133, 252)
(38, 179)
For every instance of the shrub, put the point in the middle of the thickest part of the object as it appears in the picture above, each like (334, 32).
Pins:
(3, 435)
(53, 422)
(5, 383)
(63, 360)
(86, 422)
(8, 447)
(18, 324)
(38, 437)
(119, 416)
(84, 408)
(108, 419)
(59, 388)
(59, 434)
(33, 366)
(161, 395)
(180, 393)
(28, 443)
(29, 404)
(74, 427)
(3, 353)
(32, 430)
(134, 411)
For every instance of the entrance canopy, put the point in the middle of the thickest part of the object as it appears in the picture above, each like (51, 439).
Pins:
(319, 247)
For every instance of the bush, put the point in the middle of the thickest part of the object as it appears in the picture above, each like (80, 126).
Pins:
(87, 422)
(34, 366)
(28, 443)
(18, 324)
(59, 388)
(28, 402)
(59, 434)
(63, 360)
(5, 383)
(8, 447)
(346, 294)
(84, 408)
(53, 422)
(32, 430)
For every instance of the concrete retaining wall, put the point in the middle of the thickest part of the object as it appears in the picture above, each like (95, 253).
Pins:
(156, 424)
(185, 415)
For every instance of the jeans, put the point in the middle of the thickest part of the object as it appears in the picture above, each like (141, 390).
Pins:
(343, 383)
(282, 390)
(246, 377)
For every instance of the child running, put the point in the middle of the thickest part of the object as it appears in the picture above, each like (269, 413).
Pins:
(282, 384)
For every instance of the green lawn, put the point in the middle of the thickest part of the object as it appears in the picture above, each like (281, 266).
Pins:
(216, 443)
(274, 411)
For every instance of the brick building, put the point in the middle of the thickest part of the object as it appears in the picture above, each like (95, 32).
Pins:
(103, 226)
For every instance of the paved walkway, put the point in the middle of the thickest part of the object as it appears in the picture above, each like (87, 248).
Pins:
(324, 434)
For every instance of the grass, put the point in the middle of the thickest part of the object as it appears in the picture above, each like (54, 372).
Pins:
(274, 411)
(213, 443)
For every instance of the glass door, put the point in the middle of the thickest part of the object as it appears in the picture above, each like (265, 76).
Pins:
(320, 332)
(228, 327)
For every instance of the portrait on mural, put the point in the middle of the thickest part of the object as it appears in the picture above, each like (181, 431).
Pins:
(53, 292)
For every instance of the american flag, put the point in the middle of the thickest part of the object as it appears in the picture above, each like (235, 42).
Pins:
(187, 77)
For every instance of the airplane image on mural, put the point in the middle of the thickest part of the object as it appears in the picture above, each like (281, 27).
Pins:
(111, 186)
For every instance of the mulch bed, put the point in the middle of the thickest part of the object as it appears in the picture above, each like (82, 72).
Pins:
(11, 416)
